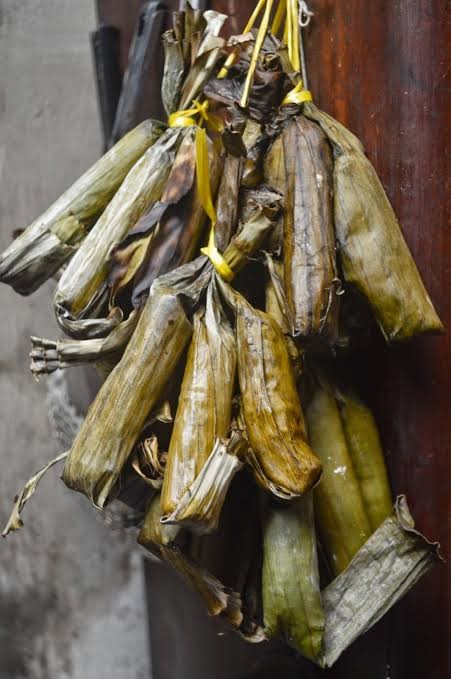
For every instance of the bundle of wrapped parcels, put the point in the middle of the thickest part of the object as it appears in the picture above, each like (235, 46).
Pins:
(216, 269)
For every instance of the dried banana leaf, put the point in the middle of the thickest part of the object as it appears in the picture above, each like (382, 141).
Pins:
(260, 209)
(365, 450)
(173, 72)
(309, 240)
(48, 355)
(199, 508)
(179, 231)
(191, 50)
(374, 255)
(394, 558)
(276, 306)
(54, 237)
(153, 534)
(205, 59)
(86, 275)
(160, 541)
(135, 386)
(227, 201)
(233, 554)
(126, 258)
(291, 593)
(15, 522)
(205, 402)
(280, 456)
(339, 508)
(254, 142)
(274, 177)
(149, 462)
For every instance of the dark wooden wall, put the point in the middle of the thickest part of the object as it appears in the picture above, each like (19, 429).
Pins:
(380, 68)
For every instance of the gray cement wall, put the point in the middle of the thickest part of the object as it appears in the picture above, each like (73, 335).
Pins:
(72, 599)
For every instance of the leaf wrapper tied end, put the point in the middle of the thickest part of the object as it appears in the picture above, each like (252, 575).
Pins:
(40, 251)
(291, 591)
(374, 255)
(280, 457)
(133, 388)
(310, 269)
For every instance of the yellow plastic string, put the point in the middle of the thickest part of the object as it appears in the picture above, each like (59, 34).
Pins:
(263, 29)
(294, 38)
(233, 55)
(203, 174)
(278, 17)
(218, 261)
(297, 95)
(190, 116)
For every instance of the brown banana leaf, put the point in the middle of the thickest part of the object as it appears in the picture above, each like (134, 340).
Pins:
(227, 200)
(291, 591)
(374, 255)
(179, 232)
(274, 177)
(205, 402)
(309, 240)
(276, 306)
(365, 450)
(134, 387)
(85, 277)
(280, 457)
(15, 522)
(42, 249)
(340, 511)
(233, 554)
(160, 541)
(126, 258)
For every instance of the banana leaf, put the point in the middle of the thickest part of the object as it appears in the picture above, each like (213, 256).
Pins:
(340, 511)
(52, 239)
(291, 592)
(85, 277)
(205, 402)
(374, 255)
(309, 241)
(279, 455)
(365, 450)
(119, 411)
(48, 355)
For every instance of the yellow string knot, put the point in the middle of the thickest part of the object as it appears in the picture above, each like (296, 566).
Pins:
(297, 95)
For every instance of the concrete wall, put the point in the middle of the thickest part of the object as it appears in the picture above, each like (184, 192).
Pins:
(71, 594)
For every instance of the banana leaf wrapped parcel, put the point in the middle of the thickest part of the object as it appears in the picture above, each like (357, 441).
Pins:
(354, 496)
(291, 590)
(52, 239)
(281, 459)
(205, 402)
(310, 269)
(373, 253)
